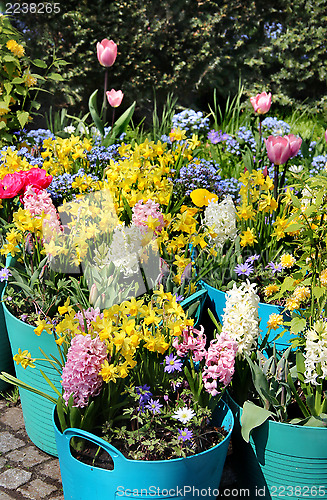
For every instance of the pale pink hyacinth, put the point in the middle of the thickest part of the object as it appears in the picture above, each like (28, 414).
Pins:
(191, 340)
(90, 314)
(142, 211)
(38, 201)
(220, 362)
(80, 375)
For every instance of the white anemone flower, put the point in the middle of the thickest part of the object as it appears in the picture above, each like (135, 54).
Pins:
(184, 415)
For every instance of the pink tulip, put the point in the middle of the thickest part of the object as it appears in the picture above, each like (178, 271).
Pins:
(278, 149)
(261, 103)
(114, 97)
(106, 52)
(295, 144)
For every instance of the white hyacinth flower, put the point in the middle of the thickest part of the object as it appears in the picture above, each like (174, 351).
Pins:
(241, 318)
(221, 218)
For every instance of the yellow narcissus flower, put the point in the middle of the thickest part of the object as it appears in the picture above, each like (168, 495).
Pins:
(275, 320)
(245, 212)
(280, 225)
(201, 197)
(267, 203)
(287, 260)
(41, 326)
(248, 238)
(269, 290)
(257, 177)
(109, 372)
(177, 134)
(24, 358)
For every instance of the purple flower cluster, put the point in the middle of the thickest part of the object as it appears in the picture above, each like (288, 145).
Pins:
(216, 136)
(204, 174)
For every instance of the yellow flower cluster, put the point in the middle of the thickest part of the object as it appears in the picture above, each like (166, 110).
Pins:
(15, 48)
(323, 277)
(269, 290)
(129, 329)
(256, 199)
(86, 219)
(287, 260)
(275, 320)
(30, 80)
(11, 162)
(143, 172)
(255, 195)
(24, 222)
(300, 295)
(60, 154)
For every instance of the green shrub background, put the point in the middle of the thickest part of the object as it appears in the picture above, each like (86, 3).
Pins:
(188, 47)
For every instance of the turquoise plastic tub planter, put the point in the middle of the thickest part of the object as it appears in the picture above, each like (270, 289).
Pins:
(37, 411)
(281, 460)
(176, 478)
(6, 362)
(217, 302)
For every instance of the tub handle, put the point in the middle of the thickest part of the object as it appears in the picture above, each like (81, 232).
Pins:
(115, 454)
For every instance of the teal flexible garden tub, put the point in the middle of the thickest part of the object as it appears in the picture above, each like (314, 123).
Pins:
(162, 479)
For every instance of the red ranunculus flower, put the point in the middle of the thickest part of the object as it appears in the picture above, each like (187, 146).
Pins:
(12, 185)
(37, 177)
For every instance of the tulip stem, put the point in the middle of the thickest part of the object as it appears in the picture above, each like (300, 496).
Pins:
(276, 173)
(283, 176)
(104, 106)
(113, 120)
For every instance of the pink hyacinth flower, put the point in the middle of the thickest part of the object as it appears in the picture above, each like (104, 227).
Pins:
(106, 52)
(261, 103)
(114, 97)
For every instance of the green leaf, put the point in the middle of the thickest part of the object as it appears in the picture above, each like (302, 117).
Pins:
(18, 79)
(119, 126)
(318, 291)
(39, 63)
(252, 416)
(298, 324)
(94, 112)
(35, 104)
(8, 87)
(22, 117)
(61, 412)
(55, 77)
(287, 284)
(75, 417)
(50, 383)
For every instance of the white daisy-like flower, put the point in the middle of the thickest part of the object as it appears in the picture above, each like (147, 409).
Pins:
(70, 129)
(184, 414)
(296, 169)
(221, 218)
